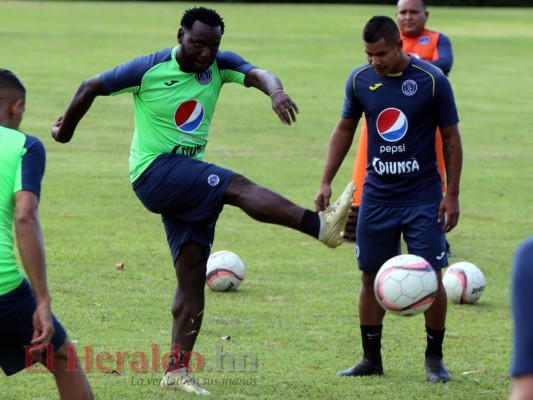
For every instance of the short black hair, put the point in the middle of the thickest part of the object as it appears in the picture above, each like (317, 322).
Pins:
(381, 27)
(10, 85)
(204, 15)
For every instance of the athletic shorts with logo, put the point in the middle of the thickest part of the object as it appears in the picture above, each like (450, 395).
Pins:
(188, 194)
(380, 229)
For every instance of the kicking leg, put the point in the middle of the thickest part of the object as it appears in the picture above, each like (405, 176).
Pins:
(263, 204)
(267, 206)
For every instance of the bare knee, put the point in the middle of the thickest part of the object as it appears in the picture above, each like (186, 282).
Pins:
(367, 279)
(64, 358)
(235, 189)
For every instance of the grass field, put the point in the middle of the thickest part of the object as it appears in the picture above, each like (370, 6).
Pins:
(294, 320)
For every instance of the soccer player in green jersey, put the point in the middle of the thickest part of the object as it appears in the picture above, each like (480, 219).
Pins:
(174, 94)
(29, 331)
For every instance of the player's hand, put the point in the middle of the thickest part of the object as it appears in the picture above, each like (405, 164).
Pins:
(286, 109)
(323, 197)
(56, 127)
(43, 327)
(449, 206)
(60, 132)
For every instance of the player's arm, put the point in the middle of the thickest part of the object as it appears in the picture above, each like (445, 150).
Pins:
(64, 128)
(453, 160)
(31, 250)
(445, 54)
(339, 143)
(270, 84)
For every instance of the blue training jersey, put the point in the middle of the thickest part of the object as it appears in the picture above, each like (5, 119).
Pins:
(402, 112)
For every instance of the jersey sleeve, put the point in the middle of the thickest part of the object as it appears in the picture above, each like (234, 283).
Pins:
(445, 54)
(352, 108)
(31, 167)
(127, 77)
(446, 108)
(233, 67)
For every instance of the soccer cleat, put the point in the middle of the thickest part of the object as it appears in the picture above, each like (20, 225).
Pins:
(333, 220)
(364, 368)
(180, 379)
(436, 371)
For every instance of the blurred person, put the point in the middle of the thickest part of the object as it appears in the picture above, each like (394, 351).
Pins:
(521, 299)
(174, 94)
(404, 99)
(29, 331)
(420, 42)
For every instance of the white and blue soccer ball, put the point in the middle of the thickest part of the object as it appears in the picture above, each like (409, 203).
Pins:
(406, 285)
(464, 283)
(225, 271)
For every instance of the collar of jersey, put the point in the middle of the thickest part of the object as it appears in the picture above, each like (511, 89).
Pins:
(395, 75)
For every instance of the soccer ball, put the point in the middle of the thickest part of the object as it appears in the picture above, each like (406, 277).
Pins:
(225, 271)
(406, 285)
(464, 283)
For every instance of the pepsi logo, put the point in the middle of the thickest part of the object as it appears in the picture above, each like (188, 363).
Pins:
(391, 124)
(189, 116)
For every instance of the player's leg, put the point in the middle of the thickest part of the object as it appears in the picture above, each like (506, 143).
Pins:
(371, 316)
(189, 245)
(187, 315)
(70, 379)
(425, 238)
(264, 205)
(377, 238)
(16, 351)
(195, 190)
(189, 299)
(435, 318)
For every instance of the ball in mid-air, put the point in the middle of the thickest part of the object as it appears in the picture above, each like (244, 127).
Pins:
(225, 271)
(406, 285)
(464, 283)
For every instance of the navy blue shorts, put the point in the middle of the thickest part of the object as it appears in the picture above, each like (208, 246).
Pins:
(16, 329)
(380, 228)
(188, 194)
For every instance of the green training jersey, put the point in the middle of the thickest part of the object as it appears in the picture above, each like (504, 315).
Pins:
(22, 161)
(172, 109)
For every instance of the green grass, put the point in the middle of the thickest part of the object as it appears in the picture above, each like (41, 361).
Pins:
(297, 309)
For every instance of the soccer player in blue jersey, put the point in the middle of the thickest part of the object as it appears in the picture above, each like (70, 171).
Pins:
(174, 93)
(521, 299)
(29, 331)
(404, 99)
(420, 42)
